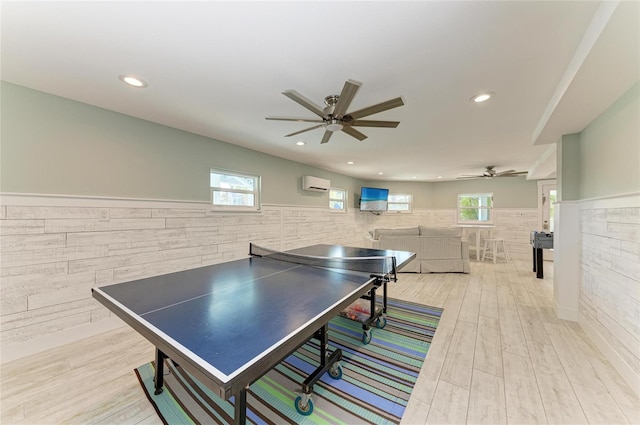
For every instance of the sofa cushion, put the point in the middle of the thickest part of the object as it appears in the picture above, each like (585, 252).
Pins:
(410, 231)
(441, 232)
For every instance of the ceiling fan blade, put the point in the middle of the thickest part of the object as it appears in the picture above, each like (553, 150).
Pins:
(468, 177)
(306, 129)
(348, 93)
(371, 123)
(354, 133)
(389, 104)
(327, 135)
(292, 119)
(298, 98)
(505, 172)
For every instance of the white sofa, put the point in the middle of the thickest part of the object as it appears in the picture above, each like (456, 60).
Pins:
(438, 250)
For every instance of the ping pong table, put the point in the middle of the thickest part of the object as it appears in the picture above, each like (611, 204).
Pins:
(230, 323)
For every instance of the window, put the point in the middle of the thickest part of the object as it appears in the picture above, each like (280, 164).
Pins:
(231, 191)
(475, 208)
(399, 203)
(337, 199)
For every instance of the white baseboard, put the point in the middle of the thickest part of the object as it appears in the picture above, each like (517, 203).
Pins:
(630, 376)
(36, 345)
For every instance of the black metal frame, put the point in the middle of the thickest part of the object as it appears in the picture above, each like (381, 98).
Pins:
(327, 362)
(374, 312)
(537, 262)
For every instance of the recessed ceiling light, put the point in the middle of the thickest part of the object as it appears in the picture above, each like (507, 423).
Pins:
(380, 173)
(301, 143)
(439, 177)
(414, 177)
(350, 162)
(132, 81)
(482, 97)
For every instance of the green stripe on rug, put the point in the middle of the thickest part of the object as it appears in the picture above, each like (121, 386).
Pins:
(377, 378)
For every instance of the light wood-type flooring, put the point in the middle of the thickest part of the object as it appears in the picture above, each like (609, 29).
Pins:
(499, 356)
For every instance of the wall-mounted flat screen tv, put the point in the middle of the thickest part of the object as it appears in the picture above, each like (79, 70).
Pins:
(373, 199)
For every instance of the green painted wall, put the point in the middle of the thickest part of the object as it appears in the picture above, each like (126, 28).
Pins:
(53, 145)
(568, 160)
(610, 149)
(508, 192)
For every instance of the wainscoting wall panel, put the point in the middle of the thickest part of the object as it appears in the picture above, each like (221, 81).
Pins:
(54, 249)
(610, 280)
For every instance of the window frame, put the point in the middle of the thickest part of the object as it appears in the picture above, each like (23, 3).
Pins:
(344, 200)
(410, 203)
(256, 192)
(490, 209)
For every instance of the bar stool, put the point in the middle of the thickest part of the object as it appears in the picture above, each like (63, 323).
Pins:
(492, 247)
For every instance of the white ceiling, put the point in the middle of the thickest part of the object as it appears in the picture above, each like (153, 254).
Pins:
(218, 69)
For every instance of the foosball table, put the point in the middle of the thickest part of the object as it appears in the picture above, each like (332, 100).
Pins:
(540, 241)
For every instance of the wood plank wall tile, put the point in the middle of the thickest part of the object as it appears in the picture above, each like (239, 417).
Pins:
(51, 256)
(610, 279)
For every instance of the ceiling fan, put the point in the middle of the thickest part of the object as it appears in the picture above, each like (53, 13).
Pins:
(490, 173)
(334, 116)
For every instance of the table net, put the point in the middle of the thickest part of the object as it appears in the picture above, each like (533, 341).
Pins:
(379, 265)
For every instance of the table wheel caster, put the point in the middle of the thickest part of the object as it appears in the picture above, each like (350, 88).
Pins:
(304, 405)
(381, 322)
(366, 336)
(336, 371)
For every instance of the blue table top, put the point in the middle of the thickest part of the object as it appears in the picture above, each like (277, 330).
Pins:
(229, 316)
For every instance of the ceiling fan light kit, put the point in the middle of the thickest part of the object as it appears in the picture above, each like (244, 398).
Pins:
(334, 116)
(334, 125)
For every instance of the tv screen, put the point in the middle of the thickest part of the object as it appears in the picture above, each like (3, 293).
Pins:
(373, 199)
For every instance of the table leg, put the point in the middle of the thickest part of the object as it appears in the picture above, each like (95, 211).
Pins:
(327, 360)
(158, 380)
(539, 271)
(477, 244)
(240, 417)
(384, 297)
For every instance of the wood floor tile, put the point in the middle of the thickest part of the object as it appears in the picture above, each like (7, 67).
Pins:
(560, 402)
(458, 364)
(489, 302)
(488, 350)
(524, 405)
(486, 400)
(449, 405)
(625, 398)
(599, 406)
(513, 340)
(575, 362)
(530, 321)
(470, 307)
(416, 413)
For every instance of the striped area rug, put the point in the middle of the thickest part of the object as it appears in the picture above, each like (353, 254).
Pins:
(376, 384)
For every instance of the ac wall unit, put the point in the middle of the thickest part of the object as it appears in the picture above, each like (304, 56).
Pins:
(315, 184)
